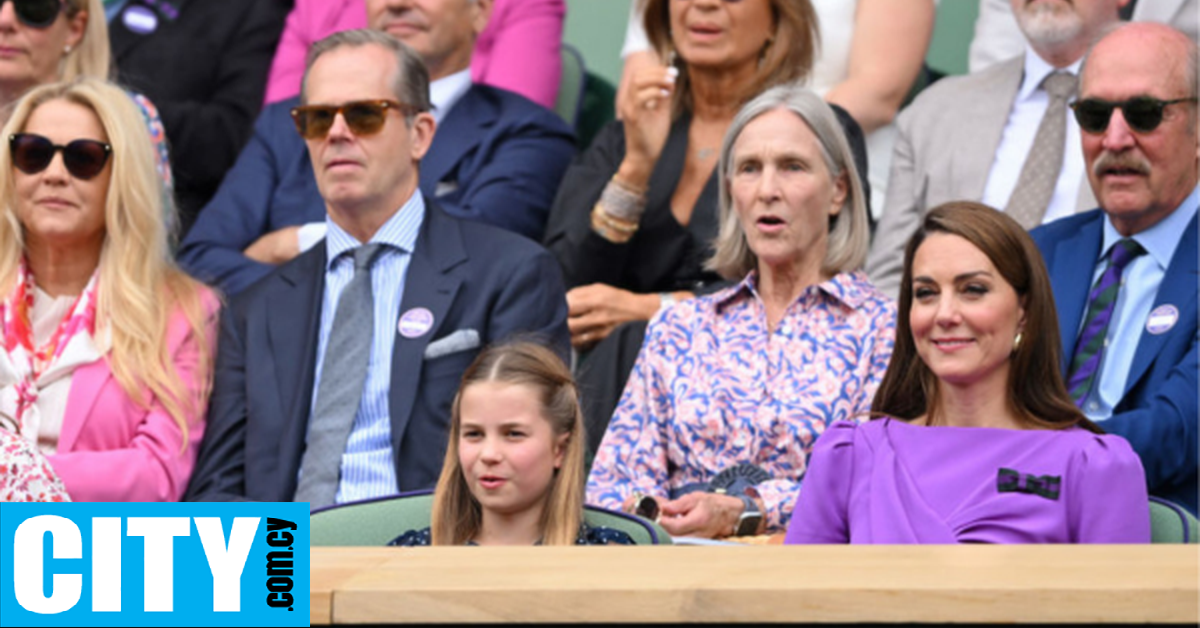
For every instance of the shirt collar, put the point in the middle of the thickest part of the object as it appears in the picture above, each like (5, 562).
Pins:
(1161, 240)
(850, 289)
(1036, 71)
(399, 232)
(447, 91)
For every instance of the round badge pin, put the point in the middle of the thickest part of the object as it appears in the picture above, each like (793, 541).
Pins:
(1162, 319)
(140, 20)
(415, 322)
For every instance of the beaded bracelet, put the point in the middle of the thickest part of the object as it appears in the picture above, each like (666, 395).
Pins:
(612, 229)
(622, 202)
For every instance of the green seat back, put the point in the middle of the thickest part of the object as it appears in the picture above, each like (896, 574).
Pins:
(571, 85)
(374, 523)
(1170, 523)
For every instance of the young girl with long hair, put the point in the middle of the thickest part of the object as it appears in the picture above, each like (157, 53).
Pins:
(514, 466)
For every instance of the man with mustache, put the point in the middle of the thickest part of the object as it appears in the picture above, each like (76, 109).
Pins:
(1002, 136)
(335, 373)
(1125, 275)
(497, 157)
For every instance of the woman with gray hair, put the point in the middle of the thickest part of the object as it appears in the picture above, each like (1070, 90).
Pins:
(730, 390)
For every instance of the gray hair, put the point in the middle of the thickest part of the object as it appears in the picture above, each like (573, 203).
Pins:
(849, 233)
(411, 82)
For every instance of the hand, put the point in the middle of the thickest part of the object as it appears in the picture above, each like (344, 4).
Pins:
(276, 247)
(705, 515)
(646, 110)
(595, 310)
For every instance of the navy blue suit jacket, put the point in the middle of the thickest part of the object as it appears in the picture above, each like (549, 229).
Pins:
(497, 158)
(1158, 414)
(470, 276)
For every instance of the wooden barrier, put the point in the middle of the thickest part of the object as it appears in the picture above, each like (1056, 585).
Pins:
(973, 583)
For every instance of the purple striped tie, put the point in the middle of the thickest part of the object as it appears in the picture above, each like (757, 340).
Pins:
(1089, 349)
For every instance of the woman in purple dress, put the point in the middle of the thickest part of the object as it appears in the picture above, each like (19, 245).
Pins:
(974, 437)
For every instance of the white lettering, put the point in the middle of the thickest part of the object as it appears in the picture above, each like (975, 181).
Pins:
(226, 564)
(65, 542)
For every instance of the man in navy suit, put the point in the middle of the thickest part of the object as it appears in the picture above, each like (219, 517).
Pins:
(497, 157)
(1137, 113)
(437, 289)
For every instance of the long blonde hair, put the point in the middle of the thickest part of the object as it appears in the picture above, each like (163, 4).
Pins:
(92, 56)
(457, 515)
(140, 286)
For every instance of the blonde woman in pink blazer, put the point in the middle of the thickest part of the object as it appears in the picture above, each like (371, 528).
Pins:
(108, 346)
(518, 51)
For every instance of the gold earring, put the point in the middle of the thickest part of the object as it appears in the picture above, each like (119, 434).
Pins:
(1017, 342)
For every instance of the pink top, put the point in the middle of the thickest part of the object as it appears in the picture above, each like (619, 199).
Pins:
(518, 51)
(113, 449)
(887, 481)
(713, 388)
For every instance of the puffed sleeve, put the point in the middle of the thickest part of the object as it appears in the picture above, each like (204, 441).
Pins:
(1108, 503)
(820, 515)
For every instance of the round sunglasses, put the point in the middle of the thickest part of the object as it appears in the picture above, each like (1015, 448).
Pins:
(37, 13)
(1143, 113)
(32, 154)
(364, 117)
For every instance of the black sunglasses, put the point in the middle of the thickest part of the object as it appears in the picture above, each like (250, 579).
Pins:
(37, 13)
(1143, 113)
(364, 117)
(32, 154)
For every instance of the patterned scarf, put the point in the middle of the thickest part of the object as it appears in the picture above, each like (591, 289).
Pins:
(26, 369)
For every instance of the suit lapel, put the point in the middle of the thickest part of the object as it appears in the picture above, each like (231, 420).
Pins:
(430, 285)
(458, 134)
(122, 38)
(1071, 277)
(1178, 288)
(297, 289)
(986, 113)
(87, 382)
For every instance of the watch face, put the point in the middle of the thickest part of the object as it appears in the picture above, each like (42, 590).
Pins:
(748, 524)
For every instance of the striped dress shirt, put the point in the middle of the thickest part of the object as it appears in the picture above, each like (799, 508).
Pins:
(368, 469)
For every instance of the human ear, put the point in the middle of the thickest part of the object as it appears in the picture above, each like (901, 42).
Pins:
(560, 449)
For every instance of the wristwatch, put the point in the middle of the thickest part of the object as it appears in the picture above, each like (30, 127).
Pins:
(751, 517)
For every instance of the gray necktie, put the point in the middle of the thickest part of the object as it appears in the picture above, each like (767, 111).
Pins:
(1039, 175)
(343, 373)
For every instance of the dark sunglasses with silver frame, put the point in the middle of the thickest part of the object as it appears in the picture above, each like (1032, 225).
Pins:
(32, 154)
(1142, 113)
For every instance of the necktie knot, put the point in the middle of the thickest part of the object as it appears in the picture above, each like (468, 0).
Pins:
(1060, 85)
(366, 254)
(1123, 252)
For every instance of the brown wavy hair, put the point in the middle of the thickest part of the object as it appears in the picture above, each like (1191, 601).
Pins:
(1036, 392)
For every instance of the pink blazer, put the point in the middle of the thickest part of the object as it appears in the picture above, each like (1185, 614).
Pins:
(518, 51)
(112, 450)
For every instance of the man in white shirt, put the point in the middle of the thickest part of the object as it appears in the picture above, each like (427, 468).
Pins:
(968, 137)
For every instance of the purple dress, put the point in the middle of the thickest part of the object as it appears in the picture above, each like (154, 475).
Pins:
(889, 482)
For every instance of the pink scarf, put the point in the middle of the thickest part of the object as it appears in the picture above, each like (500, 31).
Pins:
(24, 368)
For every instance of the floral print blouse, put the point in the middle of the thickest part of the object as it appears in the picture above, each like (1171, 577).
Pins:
(25, 474)
(713, 388)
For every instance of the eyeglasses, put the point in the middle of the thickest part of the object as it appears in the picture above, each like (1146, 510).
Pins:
(1143, 113)
(364, 117)
(32, 154)
(37, 13)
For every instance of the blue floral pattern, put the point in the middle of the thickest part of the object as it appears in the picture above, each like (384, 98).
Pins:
(713, 387)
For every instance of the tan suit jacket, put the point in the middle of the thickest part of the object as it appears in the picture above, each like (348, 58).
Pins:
(945, 145)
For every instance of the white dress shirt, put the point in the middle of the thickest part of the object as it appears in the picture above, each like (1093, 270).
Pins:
(1017, 140)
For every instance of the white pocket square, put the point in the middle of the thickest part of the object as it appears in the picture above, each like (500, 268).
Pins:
(461, 340)
(445, 187)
